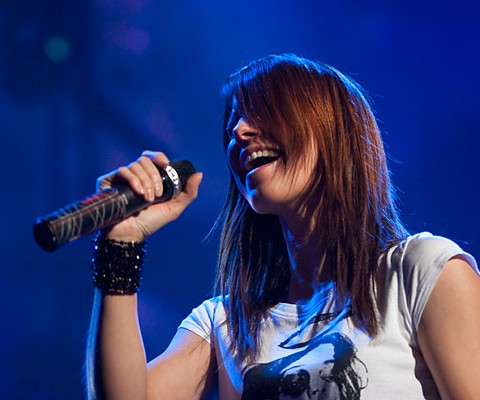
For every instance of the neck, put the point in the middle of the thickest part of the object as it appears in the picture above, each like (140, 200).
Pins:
(308, 270)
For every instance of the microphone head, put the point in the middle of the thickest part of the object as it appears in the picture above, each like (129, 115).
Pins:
(185, 170)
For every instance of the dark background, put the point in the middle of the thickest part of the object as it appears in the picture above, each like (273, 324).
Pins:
(86, 85)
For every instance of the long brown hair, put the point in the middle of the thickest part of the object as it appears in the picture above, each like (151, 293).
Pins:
(301, 103)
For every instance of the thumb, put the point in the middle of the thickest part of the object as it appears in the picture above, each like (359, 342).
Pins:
(192, 185)
(188, 194)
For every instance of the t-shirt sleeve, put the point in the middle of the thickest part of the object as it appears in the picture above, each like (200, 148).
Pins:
(423, 260)
(201, 320)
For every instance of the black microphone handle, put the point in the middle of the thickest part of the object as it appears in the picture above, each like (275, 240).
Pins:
(102, 209)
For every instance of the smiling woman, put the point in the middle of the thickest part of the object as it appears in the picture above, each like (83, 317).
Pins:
(253, 160)
(331, 172)
(321, 291)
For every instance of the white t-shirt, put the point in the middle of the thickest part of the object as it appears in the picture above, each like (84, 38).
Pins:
(315, 352)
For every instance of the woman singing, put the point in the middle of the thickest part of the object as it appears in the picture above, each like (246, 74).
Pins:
(321, 291)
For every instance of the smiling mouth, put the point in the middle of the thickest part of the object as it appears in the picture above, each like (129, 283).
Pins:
(260, 158)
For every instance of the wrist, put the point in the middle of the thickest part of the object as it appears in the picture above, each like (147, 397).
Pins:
(117, 266)
(126, 234)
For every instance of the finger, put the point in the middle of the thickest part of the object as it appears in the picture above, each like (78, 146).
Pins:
(125, 174)
(157, 157)
(153, 170)
(122, 174)
(104, 181)
(146, 180)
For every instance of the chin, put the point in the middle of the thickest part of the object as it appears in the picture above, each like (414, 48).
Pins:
(264, 205)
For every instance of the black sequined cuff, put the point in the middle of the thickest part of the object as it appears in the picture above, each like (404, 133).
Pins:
(117, 266)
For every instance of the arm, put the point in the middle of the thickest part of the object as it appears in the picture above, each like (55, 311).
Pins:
(116, 362)
(189, 357)
(449, 331)
(184, 371)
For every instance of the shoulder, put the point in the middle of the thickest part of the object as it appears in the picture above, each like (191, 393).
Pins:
(424, 254)
(414, 266)
(448, 333)
(203, 319)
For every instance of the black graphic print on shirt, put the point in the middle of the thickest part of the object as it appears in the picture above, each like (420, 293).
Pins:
(325, 368)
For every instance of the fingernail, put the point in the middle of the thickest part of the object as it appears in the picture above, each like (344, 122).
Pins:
(150, 195)
(158, 190)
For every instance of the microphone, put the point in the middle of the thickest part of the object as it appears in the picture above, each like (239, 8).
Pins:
(105, 208)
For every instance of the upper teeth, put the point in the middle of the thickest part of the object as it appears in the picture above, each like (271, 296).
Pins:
(261, 153)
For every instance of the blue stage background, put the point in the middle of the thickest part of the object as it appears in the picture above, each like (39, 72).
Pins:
(86, 85)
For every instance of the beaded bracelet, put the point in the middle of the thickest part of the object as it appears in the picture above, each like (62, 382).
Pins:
(117, 266)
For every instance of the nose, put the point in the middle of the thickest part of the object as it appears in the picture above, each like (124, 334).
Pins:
(244, 132)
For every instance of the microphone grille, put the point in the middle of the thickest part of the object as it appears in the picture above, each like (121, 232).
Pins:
(185, 170)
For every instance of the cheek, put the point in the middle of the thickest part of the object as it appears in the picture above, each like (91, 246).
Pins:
(233, 153)
(233, 159)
